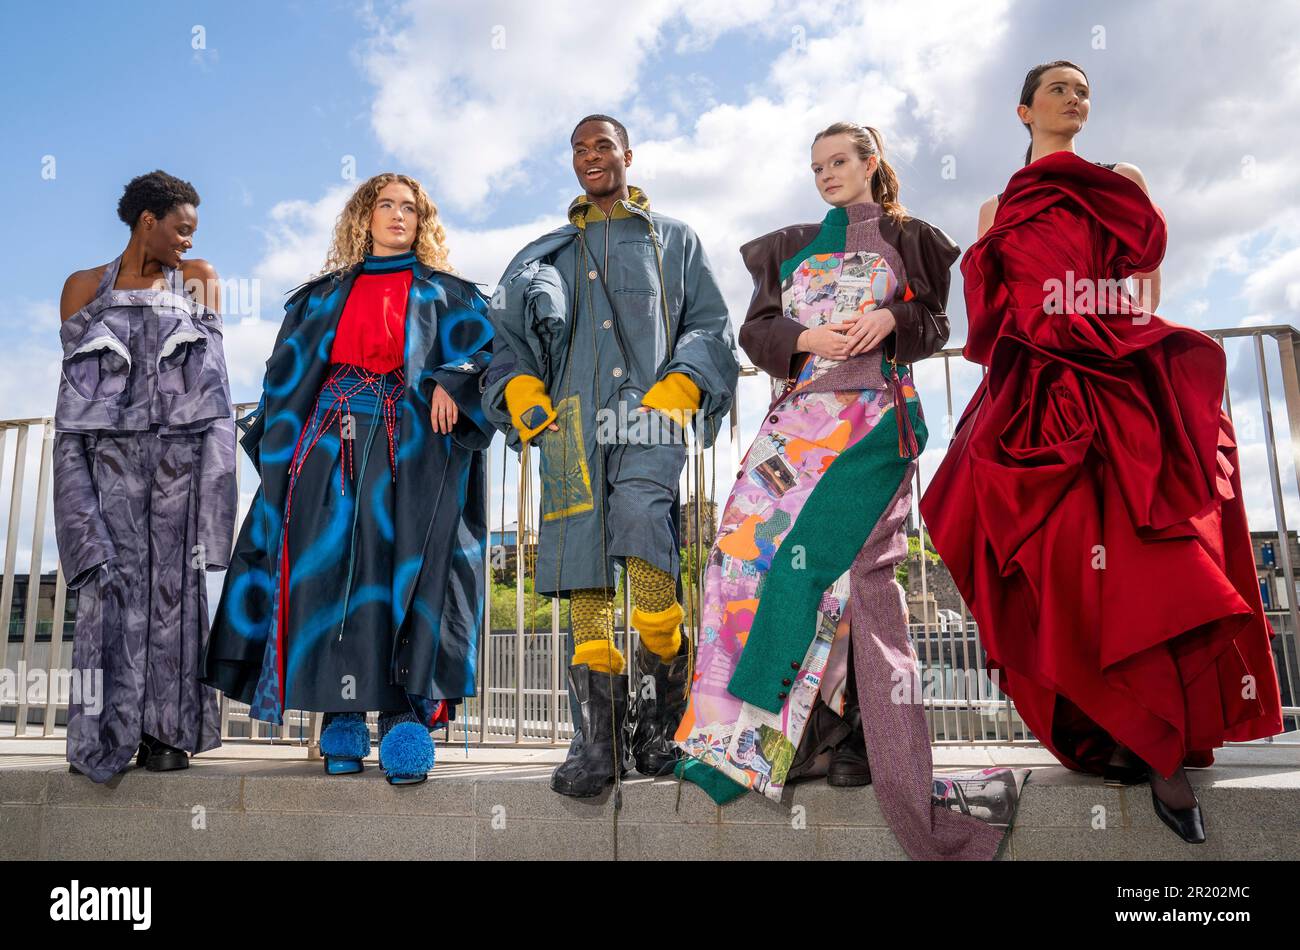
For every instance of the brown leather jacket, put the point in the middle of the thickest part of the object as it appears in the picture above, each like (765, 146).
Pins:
(769, 337)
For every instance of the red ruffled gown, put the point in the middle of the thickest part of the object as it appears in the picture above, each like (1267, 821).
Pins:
(1105, 554)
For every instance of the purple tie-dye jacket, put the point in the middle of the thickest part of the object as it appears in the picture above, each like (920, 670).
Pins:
(134, 360)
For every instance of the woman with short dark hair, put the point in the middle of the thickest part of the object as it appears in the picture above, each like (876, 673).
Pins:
(144, 486)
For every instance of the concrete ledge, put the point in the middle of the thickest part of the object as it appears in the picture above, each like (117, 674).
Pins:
(287, 808)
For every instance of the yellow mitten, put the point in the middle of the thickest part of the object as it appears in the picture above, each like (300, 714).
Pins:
(530, 408)
(673, 395)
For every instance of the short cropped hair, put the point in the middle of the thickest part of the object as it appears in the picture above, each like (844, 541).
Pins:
(598, 117)
(156, 191)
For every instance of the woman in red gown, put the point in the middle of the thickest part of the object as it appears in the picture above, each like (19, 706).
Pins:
(1105, 554)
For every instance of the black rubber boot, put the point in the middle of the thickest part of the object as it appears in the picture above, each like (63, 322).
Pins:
(602, 702)
(660, 704)
(849, 765)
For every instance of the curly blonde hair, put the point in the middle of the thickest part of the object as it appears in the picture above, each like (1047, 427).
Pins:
(352, 239)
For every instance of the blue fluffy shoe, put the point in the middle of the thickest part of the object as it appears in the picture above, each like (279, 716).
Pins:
(406, 753)
(344, 742)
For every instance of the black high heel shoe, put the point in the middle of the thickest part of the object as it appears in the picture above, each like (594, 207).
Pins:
(1187, 823)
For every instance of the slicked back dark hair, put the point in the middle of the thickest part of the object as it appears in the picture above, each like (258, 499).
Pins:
(598, 117)
(1034, 79)
(158, 192)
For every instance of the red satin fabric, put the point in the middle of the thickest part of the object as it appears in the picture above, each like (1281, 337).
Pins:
(372, 329)
(1105, 553)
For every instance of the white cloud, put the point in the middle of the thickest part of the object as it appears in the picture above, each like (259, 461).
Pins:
(463, 106)
(33, 359)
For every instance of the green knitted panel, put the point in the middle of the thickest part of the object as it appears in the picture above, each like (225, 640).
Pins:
(716, 785)
(829, 240)
(831, 529)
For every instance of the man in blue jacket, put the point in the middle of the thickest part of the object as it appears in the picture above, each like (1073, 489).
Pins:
(612, 337)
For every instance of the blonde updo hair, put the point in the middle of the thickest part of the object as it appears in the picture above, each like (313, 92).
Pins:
(884, 182)
(352, 239)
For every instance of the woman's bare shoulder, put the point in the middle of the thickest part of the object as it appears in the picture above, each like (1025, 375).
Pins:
(987, 210)
(1133, 173)
(79, 290)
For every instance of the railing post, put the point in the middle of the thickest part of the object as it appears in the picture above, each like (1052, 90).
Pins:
(555, 669)
(1291, 391)
(11, 541)
(56, 651)
(34, 572)
(1279, 507)
(520, 523)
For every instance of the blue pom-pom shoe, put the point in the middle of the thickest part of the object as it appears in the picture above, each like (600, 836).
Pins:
(406, 754)
(344, 743)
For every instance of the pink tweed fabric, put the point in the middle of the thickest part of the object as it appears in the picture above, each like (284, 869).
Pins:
(898, 740)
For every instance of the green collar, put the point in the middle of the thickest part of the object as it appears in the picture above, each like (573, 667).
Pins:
(583, 210)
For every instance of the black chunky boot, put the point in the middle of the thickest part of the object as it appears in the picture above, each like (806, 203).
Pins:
(602, 702)
(660, 704)
(849, 765)
(823, 734)
(162, 757)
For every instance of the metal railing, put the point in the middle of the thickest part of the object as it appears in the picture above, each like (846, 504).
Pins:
(522, 689)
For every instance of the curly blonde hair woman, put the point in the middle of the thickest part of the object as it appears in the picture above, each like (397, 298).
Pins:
(371, 394)
(352, 232)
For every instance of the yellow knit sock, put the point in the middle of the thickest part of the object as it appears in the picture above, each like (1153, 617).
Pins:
(657, 616)
(592, 613)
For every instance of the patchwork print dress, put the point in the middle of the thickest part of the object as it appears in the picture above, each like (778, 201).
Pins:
(815, 525)
(807, 428)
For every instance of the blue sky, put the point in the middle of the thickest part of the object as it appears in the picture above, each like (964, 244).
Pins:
(722, 100)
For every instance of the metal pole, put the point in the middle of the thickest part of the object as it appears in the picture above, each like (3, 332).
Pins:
(555, 669)
(1279, 511)
(56, 650)
(485, 640)
(34, 573)
(520, 523)
(925, 611)
(11, 541)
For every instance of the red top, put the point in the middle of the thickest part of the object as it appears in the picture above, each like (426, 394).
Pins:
(372, 329)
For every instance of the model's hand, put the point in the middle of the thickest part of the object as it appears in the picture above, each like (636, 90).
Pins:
(443, 412)
(827, 341)
(869, 330)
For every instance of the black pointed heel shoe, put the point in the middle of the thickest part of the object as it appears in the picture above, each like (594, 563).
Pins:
(1187, 823)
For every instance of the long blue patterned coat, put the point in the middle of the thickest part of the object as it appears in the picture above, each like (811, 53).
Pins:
(440, 515)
